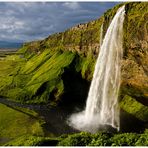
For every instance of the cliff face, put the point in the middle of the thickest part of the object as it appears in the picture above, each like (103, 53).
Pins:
(135, 62)
(62, 65)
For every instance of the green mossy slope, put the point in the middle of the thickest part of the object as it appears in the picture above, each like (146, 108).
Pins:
(31, 80)
(135, 108)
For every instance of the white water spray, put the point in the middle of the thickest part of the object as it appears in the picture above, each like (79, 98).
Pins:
(102, 102)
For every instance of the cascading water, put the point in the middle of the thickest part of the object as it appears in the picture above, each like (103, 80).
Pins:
(101, 35)
(102, 102)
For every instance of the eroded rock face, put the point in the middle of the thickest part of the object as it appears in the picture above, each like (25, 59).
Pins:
(135, 61)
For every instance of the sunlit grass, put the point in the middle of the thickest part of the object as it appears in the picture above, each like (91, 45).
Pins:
(14, 123)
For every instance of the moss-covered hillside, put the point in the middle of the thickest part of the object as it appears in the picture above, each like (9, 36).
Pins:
(61, 66)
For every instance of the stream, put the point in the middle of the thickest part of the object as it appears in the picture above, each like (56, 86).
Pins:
(55, 117)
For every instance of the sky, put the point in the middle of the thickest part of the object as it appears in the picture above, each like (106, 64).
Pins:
(27, 21)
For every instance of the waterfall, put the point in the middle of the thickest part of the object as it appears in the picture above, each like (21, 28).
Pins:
(102, 103)
(101, 35)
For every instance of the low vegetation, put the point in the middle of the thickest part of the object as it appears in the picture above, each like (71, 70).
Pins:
(14, 123)
(83, 139)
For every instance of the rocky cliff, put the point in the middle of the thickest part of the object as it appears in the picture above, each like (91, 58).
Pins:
(61, 66)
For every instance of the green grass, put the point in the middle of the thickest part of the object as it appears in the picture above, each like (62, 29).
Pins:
(32, 82)
(14, 123)
(36, 61)
(53, 67)
(27, 111)
(135, 108)
(48, 76)
(29, 140)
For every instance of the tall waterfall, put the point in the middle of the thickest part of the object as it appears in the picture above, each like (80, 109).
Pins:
(102, 103)
(101, 35)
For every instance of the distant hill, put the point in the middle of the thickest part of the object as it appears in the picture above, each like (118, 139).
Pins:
(5, 44)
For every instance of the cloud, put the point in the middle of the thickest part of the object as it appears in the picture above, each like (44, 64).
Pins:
(72, 5)
(36, 20)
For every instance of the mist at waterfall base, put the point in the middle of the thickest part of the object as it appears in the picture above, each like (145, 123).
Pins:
(102, 108)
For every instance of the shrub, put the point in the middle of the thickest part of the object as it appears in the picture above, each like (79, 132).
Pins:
(143, 140)
(126, 139)
(101, 139)
(80, 139)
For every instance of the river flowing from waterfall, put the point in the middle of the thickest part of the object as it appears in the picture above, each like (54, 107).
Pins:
(102, 103)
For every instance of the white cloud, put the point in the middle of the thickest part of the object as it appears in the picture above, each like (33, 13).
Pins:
(36, 20)
(72, 5)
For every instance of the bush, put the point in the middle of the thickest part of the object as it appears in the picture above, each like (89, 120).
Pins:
(126, 139)
(101, 139)
(83, 139)
(80, 139)
(143, 140)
